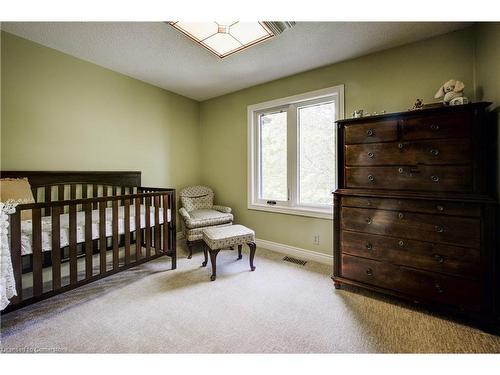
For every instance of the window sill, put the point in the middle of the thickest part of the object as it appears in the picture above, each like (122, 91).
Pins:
(300, 211)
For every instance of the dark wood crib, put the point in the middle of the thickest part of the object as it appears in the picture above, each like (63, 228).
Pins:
(86, 200)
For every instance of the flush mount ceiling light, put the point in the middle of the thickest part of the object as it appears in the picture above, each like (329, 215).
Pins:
(226, 38)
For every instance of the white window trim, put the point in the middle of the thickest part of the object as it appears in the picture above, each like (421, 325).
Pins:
(252, 112)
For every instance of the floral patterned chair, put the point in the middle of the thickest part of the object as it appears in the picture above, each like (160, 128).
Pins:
(198, 212)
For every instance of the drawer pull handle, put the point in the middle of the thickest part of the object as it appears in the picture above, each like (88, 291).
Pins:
(370, 155)
(401, 146)
(438, 288)
(371, 178)
(439, 258)
(439, 207)
(434, 127)
(435, 152)
(369, 272)
(369, 246)
(401, 215)
(400, 170)
(401, 243)
(434, 178)
(439, 229)
(368, 220)
(370, 132)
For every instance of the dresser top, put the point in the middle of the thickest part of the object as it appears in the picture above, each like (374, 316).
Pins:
(419, 112)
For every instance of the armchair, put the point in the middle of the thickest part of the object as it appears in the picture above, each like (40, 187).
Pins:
(198, 212)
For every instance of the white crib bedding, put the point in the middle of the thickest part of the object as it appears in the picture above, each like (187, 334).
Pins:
(26, 226)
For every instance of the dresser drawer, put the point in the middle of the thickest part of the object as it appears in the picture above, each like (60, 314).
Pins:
(422, 177)
(449, 151)
(439, 126)
(429, 286)
(423, 206)
(450, 230)
(371, 132)
(452, 260)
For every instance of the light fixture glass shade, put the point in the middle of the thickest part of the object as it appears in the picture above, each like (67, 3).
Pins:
(247, 32)
(222, 43)
(198, 30)
(225, 38)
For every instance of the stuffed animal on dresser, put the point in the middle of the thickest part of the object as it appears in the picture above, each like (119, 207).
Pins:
(452, 93)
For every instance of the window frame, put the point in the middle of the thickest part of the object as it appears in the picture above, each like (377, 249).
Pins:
(291, 206)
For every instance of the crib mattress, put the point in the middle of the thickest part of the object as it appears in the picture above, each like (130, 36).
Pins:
(27, 232)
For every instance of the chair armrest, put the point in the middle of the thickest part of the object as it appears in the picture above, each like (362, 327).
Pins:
(184, 214)
(224, 209)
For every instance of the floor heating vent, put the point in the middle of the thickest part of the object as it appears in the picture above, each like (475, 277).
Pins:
(296, 261)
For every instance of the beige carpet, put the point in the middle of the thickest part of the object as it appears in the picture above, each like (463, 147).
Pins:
(279, 308)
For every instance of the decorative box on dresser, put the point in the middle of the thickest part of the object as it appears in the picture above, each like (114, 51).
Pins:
(414, 215)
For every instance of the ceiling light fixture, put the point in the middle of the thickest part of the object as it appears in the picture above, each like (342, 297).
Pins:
(226, 38)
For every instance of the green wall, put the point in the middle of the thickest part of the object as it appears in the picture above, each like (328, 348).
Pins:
(390, 80)
(488, 70)
(62, 113)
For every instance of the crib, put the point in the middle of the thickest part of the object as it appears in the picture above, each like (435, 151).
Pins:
(86, 226)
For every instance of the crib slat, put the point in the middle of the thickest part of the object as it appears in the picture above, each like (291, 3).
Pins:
(60, 192)
(72, 191)
(94, 195)
(48, 199)
(37, 252)
(126, 230)
(88, 240)
(148, 227)
(165, 222)
(102, 236)
(114, 191)
(72, 243)
(114, 225)
(157, 225)
(56, 248)
(85, 193)
(15, 253)
(173, 235)
(122, 192)
(138, 232)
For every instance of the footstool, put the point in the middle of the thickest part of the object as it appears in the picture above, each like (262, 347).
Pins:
(219, 238)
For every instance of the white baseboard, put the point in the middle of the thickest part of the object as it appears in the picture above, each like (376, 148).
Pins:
(296, 252)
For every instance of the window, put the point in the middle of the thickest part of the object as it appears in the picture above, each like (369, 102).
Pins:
(291, 153)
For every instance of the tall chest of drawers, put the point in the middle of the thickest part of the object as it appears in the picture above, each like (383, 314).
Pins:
(414, 215)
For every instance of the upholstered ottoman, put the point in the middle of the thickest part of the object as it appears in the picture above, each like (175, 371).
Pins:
(219, 238)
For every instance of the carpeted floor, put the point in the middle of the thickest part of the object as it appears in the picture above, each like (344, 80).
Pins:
(279, 308)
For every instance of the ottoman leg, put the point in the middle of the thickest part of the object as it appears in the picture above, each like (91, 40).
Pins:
(239, 251)
(213, 259)
(205, 254)
(190, 247)
(252, 247)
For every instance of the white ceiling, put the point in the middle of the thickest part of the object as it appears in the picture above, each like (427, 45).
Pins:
(156, 53)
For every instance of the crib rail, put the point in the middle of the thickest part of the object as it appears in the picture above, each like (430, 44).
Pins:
(114, 252)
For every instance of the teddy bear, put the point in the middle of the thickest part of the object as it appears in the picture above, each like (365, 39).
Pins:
(450, 90)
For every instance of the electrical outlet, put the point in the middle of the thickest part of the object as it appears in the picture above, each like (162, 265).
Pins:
(316, 239)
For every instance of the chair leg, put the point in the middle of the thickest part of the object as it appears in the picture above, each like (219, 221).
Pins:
(252, 247)
(239, 251)
(190, 248)
(205, 254)
(213, 259)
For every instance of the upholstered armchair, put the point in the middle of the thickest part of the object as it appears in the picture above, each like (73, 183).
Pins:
(198, 212)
